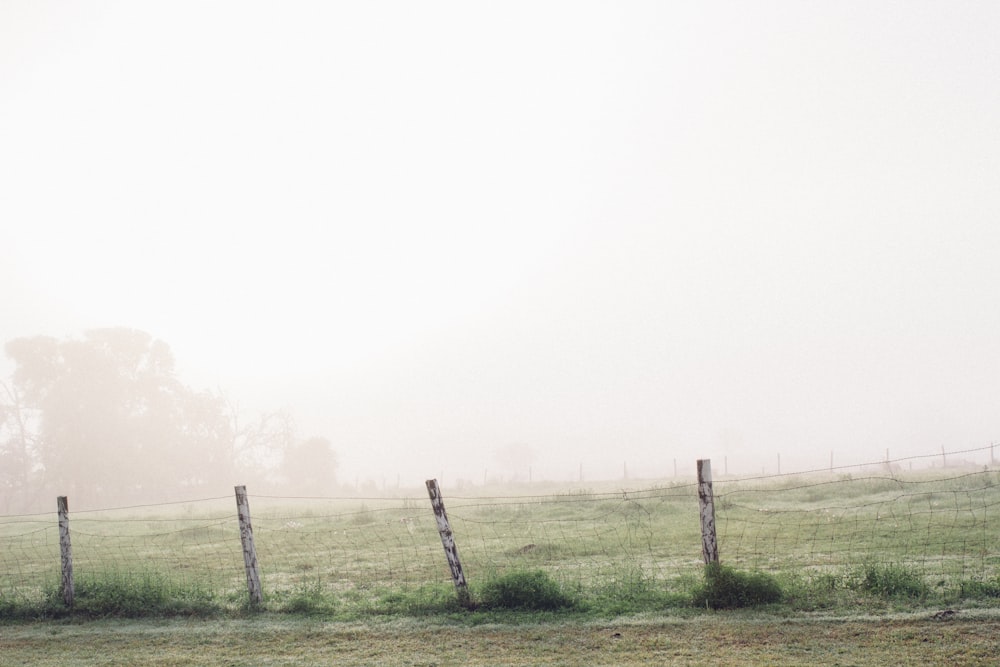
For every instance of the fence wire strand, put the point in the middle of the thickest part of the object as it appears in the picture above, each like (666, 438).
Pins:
(944, 524)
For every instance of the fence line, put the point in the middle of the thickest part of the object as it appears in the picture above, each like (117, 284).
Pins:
(945, 525)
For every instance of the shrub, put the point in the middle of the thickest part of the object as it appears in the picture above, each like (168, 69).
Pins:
(530, 590)
(890, 580)
(726, 588)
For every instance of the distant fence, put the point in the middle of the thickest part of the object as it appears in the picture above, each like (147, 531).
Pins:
(945, 523)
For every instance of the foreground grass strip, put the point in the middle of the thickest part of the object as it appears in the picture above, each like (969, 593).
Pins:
(964, 638)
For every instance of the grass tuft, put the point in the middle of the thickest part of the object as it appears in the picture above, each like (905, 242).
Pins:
(309, 599)
(727, 588)
(526, 590)
(890, 580)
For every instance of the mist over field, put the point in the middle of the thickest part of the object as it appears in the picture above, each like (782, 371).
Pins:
(494, 243)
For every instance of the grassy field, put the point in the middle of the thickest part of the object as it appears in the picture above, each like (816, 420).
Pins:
(726, 638)
(834, 569)
(827, 538)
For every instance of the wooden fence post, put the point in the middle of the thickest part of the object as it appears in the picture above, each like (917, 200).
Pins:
(65, 551)
(448, 542)
(706, 504)
(249, 551)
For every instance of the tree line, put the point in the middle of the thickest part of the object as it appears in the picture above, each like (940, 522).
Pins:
(105, 420)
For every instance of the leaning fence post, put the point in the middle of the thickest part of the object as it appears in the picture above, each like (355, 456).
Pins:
(65, 550)
(249, 551)
(448, 542)
(706, 504)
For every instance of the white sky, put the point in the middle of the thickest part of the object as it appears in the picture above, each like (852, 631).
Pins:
(615, 232)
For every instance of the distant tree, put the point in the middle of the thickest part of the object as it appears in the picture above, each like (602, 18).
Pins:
(270, 455)
(17, 451)
(310, 467)
(113, 420)
(260, 446)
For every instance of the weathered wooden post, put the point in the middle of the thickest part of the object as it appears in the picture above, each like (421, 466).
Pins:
(65, 551)
(706, 504)
(448, 542)
(249, 550)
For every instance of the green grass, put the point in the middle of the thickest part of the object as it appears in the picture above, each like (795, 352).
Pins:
(890, 580)
(309, 598)
(825, 570)
(727, 588)
(826, 543)
(116, 594)
(524, 590)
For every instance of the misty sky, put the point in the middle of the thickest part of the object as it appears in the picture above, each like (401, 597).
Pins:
(607, 232)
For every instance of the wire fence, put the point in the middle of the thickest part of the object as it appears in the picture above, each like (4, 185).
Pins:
(943, 525)
(944, 522)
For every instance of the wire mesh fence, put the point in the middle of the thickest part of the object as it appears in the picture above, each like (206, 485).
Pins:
(942, 522)
(195, 542)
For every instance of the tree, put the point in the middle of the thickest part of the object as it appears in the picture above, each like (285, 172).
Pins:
(113, 420)
(260, 446)
(310, 467)
(17, 451)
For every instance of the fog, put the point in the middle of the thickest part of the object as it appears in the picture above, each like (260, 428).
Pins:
(524, 240)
